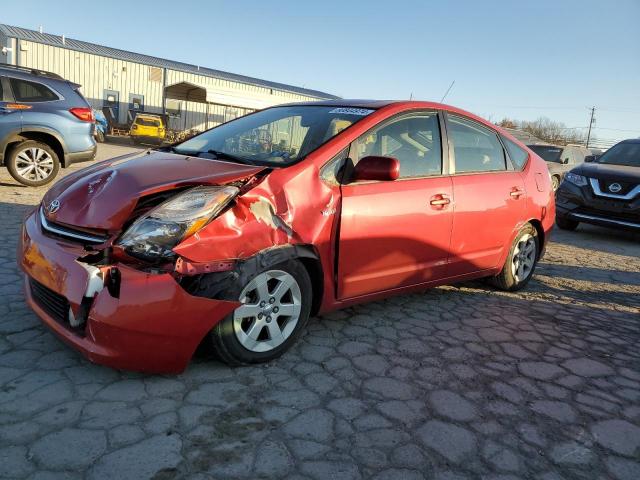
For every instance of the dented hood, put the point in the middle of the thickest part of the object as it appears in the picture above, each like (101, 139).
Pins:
(104, 195)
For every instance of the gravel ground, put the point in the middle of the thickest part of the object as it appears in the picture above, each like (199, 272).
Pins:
(454, 383)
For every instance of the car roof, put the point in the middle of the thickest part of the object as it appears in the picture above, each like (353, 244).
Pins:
(631, 140)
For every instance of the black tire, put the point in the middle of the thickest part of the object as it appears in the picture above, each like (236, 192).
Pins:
(555, 182)
(99, 136)
(506, 280)
(566, 223)
(226, 342)
(13, 161)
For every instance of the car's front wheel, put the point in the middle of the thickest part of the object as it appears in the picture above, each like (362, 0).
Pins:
(276, 303)
(33, 163)
(555, 182)
(521, 261)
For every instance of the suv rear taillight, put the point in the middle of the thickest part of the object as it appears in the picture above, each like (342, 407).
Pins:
(83, 113)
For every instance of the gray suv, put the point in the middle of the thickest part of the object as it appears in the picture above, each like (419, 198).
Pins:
(560, 159)
(45, 123)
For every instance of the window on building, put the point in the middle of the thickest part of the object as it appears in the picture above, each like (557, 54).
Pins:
(173, 107)
(517, 154)
(26, 91)
(414, 140)
(136, 102)
(476, 148)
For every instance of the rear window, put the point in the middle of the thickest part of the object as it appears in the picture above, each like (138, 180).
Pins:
(147, 122)
(548, 153)
(517, 154)
(26, 91)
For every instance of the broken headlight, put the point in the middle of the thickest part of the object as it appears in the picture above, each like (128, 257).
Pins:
(153, 235)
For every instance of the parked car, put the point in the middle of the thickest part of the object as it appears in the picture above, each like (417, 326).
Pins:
(605, 191)
(148, 128)
(213, 238)
(101, 126)
(45, 124)
(560, 159)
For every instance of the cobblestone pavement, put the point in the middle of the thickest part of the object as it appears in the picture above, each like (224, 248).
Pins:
(458, 382)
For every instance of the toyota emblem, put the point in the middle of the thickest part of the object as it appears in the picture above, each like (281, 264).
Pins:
(615, 187)
(53, 207)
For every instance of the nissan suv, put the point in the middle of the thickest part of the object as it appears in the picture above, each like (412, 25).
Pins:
(605, 191)
(45, 124)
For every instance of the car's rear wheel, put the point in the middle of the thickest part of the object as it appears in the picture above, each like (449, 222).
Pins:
(555, 182)
(566, 223)
(521, 261)
(33, 163)
(276, 303)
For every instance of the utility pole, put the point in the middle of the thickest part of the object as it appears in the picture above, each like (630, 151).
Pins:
(591, 122)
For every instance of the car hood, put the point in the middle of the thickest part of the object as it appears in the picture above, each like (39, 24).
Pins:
(103, 196)
(619, 173)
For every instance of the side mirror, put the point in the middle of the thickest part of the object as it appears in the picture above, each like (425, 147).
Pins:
(590, 158)
(566, 160)
(376, 168)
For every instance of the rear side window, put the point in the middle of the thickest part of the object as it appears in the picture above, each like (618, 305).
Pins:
(26, 91)
(517, 154)
(475, 147)
(1, 90)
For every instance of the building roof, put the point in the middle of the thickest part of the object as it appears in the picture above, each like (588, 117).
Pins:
(86, 47)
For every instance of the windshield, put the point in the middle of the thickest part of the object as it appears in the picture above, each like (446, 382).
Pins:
(627, 154)
(547, 152)
(276, 136)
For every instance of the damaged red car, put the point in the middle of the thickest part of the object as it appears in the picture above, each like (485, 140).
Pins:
(241, 233)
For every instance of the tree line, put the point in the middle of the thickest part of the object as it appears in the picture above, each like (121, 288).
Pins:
(547, 130)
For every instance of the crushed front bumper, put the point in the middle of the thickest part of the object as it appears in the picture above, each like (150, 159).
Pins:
(153, 325)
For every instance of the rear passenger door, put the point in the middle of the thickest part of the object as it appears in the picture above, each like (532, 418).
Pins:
(489, 197)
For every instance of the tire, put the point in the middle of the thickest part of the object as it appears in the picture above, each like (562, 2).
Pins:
(526, 247)
(239, 338)
(566, 223)
(99, 136)
(555, 182)
(39, 156)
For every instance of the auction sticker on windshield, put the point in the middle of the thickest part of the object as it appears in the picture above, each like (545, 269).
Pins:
(352, 111)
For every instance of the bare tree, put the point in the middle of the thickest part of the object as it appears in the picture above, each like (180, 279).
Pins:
(548, 130)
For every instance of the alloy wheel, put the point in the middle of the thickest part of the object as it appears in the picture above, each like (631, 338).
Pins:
(270, 310)
(524, 258)
(34, 164)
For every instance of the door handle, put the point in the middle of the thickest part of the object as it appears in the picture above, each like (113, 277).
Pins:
(439, 200)
(516, 193)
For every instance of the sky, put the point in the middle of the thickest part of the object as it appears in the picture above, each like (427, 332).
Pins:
(520, 59)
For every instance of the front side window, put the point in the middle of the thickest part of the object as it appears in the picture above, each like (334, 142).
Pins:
(517, 154)
(475, 147)
(277, 136)
(25, 91)
(414, 140)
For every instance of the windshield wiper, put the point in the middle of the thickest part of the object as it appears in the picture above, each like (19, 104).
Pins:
(228, 156)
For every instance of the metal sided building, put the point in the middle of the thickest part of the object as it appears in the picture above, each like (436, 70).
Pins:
(125, 82)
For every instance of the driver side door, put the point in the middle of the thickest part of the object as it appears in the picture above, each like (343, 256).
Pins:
(395, 234)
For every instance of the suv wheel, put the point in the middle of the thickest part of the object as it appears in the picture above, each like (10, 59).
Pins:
(555, 182)
(275, 310)
(33, 163)
(566, 223)
(521, 262)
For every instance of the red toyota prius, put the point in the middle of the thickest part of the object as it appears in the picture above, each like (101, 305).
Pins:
(241, 233)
